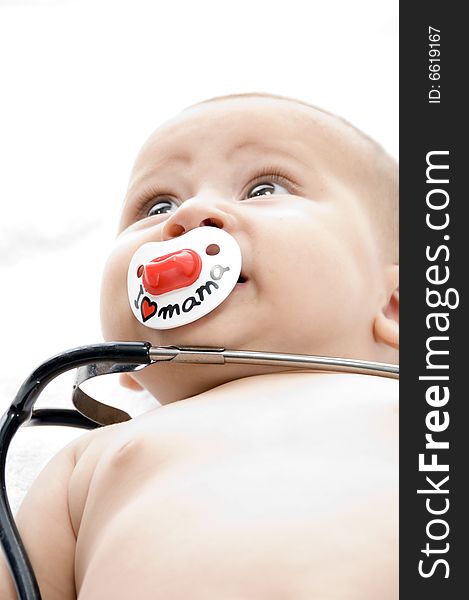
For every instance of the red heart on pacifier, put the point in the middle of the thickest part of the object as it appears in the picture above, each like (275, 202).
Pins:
(148, 309)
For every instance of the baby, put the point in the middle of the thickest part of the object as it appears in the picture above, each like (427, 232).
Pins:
(248, 482)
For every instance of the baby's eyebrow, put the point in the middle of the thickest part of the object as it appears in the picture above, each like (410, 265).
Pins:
(141, 173)
(168, 159)
(265, 149)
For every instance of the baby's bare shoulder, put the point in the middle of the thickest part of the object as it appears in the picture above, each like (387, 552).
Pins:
(91, 445)
(87, 450)
(92, 440)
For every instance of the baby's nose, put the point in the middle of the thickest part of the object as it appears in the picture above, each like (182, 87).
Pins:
(196, 212)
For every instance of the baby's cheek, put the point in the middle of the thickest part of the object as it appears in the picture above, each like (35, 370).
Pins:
(329, 282)
(116, 316)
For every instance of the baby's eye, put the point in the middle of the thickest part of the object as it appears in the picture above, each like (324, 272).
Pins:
(161, 207)
(266, 189)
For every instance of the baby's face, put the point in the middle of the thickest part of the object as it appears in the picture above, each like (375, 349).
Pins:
(279, 179)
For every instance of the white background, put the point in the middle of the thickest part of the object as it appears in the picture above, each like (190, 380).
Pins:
(83, 83)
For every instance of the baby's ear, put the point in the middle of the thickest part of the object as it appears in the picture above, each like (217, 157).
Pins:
(129, 382)
(386, 325)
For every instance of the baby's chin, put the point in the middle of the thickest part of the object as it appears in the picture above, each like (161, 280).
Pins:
(230, 326)
(217, 330)
(220, 328)
(204, 332)
(199, 333)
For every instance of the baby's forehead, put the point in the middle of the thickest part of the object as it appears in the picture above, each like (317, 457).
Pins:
(249, 123)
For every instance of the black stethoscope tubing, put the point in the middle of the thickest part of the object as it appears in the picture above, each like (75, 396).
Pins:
(99, 359)
(20, 411)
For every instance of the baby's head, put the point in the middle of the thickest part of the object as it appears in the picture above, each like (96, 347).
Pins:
(313, 205)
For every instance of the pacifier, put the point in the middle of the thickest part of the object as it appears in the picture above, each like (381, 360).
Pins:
(178, 281)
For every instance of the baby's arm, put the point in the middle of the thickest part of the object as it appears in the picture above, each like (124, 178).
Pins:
(44, 523)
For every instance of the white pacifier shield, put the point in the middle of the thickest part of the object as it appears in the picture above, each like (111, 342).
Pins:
(218, 276)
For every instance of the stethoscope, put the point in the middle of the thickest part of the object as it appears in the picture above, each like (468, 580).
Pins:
(121, 357)
(125, 357)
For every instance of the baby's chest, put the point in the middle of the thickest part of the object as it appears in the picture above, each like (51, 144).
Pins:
(239, 486)
(282, 449)
(231, 514)
(251, 468)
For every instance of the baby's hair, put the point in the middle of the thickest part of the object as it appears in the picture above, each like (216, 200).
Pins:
(376, 177)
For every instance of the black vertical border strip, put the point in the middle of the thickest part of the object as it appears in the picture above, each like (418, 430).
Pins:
(426, 127)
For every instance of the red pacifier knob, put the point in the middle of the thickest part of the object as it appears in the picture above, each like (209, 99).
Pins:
(171, 272)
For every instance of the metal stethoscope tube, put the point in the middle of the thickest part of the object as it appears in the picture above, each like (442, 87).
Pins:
(118, 357)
